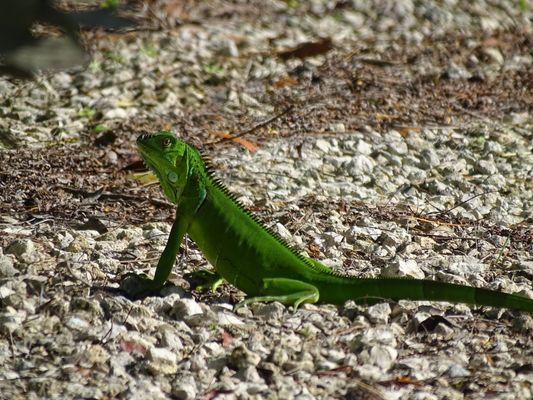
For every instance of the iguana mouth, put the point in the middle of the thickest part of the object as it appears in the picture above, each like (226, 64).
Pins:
(145, 158)
(145, 155)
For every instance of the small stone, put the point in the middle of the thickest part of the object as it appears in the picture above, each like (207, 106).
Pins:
(455, 71)
(96, 355)
(225, 319)
(77, 323)
(129, 233)
(185, 390)
(249, 101)
(332, 238)
(154, 234)
(457, 371)
(429, 158)
(435, 186)
(230, 48)
(379, 313)
(116, 113)
(24, 250)
(11, 319)
(161, 361)
(364, 148)
(425, 242)
(79, 245)
(279, 356)
(389, 239)
(241, 357)
(283, 232)
(354, 19)
(398, 147)
(494, 55)
(170, 339)
(380, 355)
(339, 128)
(383, 356)
(62, 80)
(6, 267)
(185, 308)
(419, 366)
(486, 167)
(360, 165)
(400, 268)
(249, 374)
(64, 239)
(270, 311)
(5, 292)
(444, 330)
(517, 118)
(323, 145)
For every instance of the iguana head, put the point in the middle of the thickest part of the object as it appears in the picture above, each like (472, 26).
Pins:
(163, 153)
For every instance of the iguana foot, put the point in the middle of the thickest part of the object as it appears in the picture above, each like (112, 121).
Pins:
(138, 285)
(209, 280)
(286, 291)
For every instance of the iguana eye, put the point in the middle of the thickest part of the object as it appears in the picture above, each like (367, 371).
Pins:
(167, 142)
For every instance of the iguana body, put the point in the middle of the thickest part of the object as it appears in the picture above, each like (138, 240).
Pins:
(254, 259)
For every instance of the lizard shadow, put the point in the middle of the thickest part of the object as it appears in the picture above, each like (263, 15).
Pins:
(223, 294)
(167, 289)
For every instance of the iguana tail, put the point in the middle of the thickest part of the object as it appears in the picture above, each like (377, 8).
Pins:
(372, 290)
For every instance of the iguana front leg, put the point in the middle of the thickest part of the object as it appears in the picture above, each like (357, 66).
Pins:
(140, 285)
(286, 291)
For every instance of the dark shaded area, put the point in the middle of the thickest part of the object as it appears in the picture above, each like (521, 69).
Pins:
(23, 53)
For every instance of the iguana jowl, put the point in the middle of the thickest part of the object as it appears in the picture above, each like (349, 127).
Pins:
(246, 254)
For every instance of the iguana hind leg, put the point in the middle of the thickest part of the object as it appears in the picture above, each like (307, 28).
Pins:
(286, 291)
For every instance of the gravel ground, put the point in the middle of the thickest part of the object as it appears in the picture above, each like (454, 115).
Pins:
(400, 148)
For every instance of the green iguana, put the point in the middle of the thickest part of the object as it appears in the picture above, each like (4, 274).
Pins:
(254, 259)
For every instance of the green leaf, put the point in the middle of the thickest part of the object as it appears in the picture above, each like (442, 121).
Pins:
(100, 128)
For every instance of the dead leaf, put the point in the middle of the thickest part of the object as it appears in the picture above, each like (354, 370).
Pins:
(227, 339)
(334, 371)
(307, 49)
(213, 393)
(313, 250)
(402, 380)
(130, 346)
(251, 147)
(491, 42)
(406, 130)
(383, 117)
(144, 178)
(84, 372)
(286, 81)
